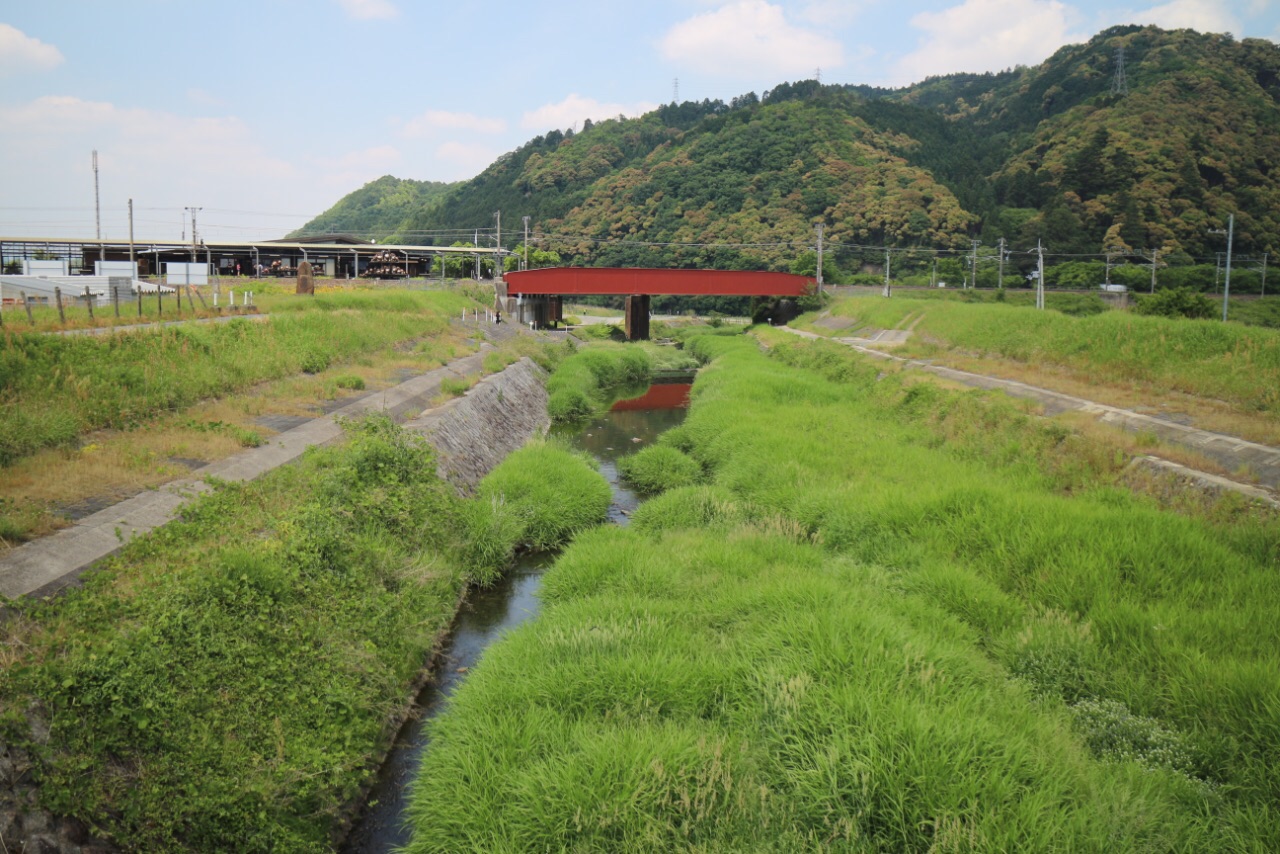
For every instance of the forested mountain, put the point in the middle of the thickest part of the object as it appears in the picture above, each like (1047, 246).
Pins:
(1047, 153)
(376, 209)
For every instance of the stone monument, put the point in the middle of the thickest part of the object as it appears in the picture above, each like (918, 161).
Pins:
(306, 279)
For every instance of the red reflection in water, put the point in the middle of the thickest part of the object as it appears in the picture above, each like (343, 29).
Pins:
(664, 396)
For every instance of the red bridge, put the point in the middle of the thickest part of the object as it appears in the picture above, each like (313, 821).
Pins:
(535, 295)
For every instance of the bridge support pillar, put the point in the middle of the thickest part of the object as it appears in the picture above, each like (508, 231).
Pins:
(638, 317)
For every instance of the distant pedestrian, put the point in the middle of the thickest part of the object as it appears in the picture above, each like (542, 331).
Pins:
(237, 270)
(497, 317)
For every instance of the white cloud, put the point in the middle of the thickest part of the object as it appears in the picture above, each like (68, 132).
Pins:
(987, 35)
(20, 52)
(369, 10)
(832, 13)
(574, 109)
(440, 120)
(1207, 16)
(749, 38)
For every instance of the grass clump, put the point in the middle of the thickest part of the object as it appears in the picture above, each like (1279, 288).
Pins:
(659, 468)
(581, 382)
(831, 715)
(538, 498)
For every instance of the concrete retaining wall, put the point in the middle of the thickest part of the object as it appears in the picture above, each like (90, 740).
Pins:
(473, 433)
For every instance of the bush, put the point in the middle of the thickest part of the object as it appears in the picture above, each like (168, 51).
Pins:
(1177, 302)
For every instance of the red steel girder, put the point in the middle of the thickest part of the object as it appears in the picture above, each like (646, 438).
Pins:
(627, 281)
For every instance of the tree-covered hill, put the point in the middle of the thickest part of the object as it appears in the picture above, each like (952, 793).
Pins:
(376, 209)
(1046, 153)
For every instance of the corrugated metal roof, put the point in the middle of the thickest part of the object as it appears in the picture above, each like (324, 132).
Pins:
(249, 245)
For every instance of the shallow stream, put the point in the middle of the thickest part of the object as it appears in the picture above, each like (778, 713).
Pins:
(631, 425)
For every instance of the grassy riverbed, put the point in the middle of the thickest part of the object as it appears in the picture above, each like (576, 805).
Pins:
(228, 682)
(890, 617)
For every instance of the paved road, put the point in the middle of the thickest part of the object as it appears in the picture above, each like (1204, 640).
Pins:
(1230, 452)
(44, 566)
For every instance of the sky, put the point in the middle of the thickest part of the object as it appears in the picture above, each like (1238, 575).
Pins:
(261, 114)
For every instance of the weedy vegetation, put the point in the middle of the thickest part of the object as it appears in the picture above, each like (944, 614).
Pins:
(228, 682)
(55, 388)
(895, 617)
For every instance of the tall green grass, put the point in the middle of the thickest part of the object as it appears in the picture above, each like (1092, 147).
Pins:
(538, 497)
(54, 388)
(227, 682)
(581, 383)
(895, 620)
(1207, 358)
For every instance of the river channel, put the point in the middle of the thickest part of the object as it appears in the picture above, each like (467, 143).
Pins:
(487, 614)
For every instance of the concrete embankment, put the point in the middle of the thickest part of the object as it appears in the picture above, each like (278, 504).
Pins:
(474, 433)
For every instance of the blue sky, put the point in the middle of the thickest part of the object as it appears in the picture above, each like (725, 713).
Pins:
(265, 113)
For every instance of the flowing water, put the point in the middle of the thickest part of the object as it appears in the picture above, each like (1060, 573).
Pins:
(488, 613)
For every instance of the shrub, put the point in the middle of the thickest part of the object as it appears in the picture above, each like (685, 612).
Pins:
(349, 381)
(1176, 302)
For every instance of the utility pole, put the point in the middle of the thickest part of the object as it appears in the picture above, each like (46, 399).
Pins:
(193, 232)
(526, 242)
(497, 264)
(97, 210)
(1155, 263)
(1217, 270)
(820, 226)
(1226, 283)
(934, 282)
(1263, 270)
(132, 261)
(888, 290)
(1040, 275)
(973, 265)
(1000, 269)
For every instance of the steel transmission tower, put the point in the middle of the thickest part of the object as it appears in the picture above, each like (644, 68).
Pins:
(1119, 83)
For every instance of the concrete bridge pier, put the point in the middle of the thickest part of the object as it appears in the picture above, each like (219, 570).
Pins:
(543, 311)
(638, 317)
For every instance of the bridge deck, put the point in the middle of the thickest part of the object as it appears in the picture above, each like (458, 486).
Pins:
(634, 281)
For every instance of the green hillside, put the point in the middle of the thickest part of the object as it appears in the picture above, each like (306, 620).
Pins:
(1047, 153)
(377, 209)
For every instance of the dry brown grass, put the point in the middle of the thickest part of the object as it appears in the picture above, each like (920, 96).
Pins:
(112, 465)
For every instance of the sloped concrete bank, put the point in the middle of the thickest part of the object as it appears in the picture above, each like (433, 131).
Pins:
(472, 434)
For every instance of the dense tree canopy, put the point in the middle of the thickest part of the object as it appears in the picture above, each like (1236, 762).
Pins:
(1031, 154)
